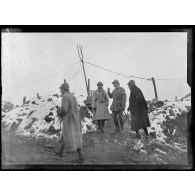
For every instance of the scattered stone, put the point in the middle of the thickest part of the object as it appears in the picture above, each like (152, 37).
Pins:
(56, 95)
(153, 135)
(48, 119)
(51, 114)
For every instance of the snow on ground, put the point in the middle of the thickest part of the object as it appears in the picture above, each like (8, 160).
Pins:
(170, 110)
(38, 117)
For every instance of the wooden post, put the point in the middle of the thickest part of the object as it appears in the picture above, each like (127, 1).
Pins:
(38, 97)
(88, 87)
(154, 84)
(80, 52)
(24, 100)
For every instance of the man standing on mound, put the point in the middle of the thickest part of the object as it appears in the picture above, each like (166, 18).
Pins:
(71, 139)
(118, 104)
(139, 110)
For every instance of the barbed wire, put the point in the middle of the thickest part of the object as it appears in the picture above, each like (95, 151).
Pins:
(131, 76)
(115, 72)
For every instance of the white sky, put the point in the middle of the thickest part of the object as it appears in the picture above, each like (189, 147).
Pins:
(28, 57)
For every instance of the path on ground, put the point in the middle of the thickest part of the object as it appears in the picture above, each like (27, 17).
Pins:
(98, 149)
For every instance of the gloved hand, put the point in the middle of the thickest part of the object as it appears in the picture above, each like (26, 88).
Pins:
(60, 112)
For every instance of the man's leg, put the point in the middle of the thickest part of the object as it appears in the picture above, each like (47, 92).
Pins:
(146, 132)
(99, 124)
(80, 158)
(115, 120)
(120, 117)
(137, 134)
(102, 125)
(61, 149)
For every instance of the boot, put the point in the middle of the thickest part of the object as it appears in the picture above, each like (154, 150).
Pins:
(99, 125)
(59, 153)
(138, 135)
(146, 132)
(80, 158)
(102, 126)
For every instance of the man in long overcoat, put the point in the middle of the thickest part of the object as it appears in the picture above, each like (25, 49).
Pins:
(100, 102)
(118, 104)
(138, 109)
(71, 139)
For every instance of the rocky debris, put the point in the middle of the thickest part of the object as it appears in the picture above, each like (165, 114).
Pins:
(38, 118)
(164, 116)
(154, 105)
(6, 106)
(56, 95)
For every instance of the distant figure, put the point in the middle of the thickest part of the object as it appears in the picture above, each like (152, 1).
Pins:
(71, 139)
(139, 110)
(100, 102)
(118, 104)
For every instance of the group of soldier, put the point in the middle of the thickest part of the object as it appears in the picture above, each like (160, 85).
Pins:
(71, 138)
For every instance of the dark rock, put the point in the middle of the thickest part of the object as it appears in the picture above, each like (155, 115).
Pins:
(7, 106)
(51, 114)
(13, 126)
(30, 113)
(84, 112)
(48, 119)
(19, 120)
(56, 95)
(52, 130)
(171, 112)
(153, 135)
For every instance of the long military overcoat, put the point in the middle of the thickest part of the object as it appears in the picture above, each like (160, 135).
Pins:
(71, 126)
(100, 102)
(139, 110)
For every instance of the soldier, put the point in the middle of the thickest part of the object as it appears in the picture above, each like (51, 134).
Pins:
(71, 127)
(139, 110)
(100, 102)
(118, 104)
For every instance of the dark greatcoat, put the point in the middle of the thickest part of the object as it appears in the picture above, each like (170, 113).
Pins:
(139, 110)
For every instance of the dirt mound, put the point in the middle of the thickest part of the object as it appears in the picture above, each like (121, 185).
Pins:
(6, 107)
(38, 118)
(166, 118)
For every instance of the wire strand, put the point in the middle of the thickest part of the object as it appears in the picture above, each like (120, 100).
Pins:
(121, 74)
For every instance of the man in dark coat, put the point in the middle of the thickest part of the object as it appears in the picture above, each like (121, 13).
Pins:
(118, 104)
(138, 109)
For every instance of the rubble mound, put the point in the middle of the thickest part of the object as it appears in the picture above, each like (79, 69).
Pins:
(6, 107)
(166, 118)
(38, 118)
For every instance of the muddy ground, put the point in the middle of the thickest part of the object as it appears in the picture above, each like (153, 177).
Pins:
(99, 149)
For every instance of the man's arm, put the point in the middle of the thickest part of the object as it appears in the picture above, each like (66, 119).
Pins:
(124, 99)
(107, 99)
(110, 94)
(64, 104)
(93, 101)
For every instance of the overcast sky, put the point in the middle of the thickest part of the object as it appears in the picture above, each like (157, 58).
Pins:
(38, 62)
